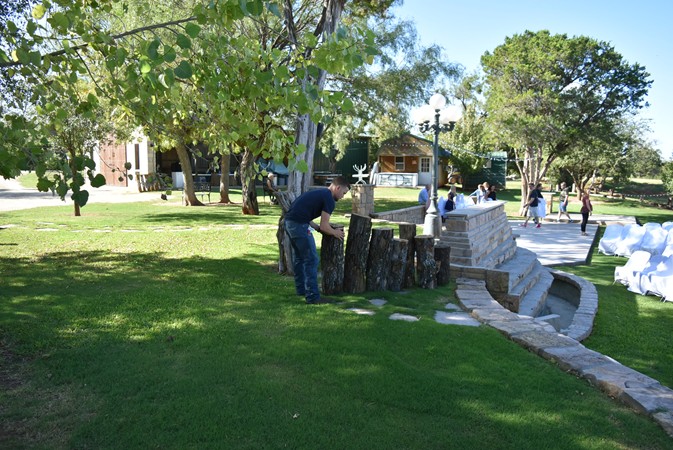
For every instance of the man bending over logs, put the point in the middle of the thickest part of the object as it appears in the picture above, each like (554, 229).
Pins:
(307, 207)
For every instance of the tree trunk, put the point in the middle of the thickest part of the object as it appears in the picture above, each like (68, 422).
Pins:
(357, 251)
(398, 264)
(306, 130)
(332, 263)
(408, 233)
(378, 261)
(186, 164)
(443, 261)
(248, 188)
(225, 165)
(427, 268)
(285, 199)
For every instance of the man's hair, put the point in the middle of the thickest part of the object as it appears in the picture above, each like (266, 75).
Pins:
(341, 181)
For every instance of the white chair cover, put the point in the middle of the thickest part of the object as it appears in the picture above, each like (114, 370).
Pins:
(654, 240)
(652, 225)
(668, 226)
(611, 237)
(668, 250)
(638, 282)
(636, 263)
(660, 281)
(630, 242)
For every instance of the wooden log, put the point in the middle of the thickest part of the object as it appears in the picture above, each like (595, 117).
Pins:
(443, 261)
(378, 261)
(357, 250)
(332, 263)
(408, 233)
(425, 260)
(398, 264)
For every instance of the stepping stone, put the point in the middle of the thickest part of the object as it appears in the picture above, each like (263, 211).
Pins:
(456, 318)
(405, 317)
(361, 311)
(378, 302)
(452, 307)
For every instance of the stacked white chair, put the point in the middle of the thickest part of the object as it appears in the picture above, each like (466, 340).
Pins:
(630, 240)
(654, 240)
(637, 262)
(610, 239)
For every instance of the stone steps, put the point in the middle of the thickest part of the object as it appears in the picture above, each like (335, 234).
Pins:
(533, 300)
(519, 266)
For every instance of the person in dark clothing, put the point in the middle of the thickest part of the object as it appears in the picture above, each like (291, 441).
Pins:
(307, 207)
(533, 195)
(586, 211)
(491, 193)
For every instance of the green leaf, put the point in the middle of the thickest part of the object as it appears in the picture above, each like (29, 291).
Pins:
(145, 67)
(22, 56)
(153, 49)
(302, 166)
(59, 20)
(264, 77)
(35, 58)
(11, 27)
(31, 27)
(81, 197)
(273, 7)
(183, 41)
(347, 105)
(184, 70)
(39, 12)
(169, 54)
(255, 7)
(97, 181)
(192, 29)
(44, 185)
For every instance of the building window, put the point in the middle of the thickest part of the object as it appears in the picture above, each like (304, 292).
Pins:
(399, 163)
(425, 165)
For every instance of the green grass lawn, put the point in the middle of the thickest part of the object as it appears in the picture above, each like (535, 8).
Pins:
(155, 325)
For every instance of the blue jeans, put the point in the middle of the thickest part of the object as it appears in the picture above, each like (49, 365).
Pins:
(304, 260)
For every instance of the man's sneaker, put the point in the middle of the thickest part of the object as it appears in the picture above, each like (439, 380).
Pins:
(320, 301)
(523, 225)
(537, 226)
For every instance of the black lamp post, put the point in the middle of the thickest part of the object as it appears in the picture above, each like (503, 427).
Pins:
(435, 118)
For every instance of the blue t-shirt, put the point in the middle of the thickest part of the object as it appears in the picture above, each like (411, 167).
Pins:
(310, 205)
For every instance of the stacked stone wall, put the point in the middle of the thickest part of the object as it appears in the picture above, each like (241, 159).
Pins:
(413, 214)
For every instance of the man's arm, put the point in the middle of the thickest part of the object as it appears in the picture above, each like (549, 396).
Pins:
(326, 228)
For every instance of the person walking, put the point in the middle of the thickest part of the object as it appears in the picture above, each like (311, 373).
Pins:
(533, 203)
(309, 206)
(563, 203)
(586, 211)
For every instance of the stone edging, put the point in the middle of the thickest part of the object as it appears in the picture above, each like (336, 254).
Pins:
(640, 392)
(583, 320)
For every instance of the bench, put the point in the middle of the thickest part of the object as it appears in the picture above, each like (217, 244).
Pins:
(200, 188)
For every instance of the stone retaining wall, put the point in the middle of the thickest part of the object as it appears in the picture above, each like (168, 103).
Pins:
(413, 214)
(479, 237)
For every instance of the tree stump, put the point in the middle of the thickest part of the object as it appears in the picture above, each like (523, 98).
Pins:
(443, 261)
(398, 264)
(357, 249)
(378, 262)
(408, 233)
(332, 263)
(426, 266)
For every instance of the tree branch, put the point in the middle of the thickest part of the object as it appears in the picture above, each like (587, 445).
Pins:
(114, 38)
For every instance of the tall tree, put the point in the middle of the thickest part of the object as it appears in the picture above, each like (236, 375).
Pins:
(404, 74)
(547, 94)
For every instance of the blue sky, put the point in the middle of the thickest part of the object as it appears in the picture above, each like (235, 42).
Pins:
(642, 32)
